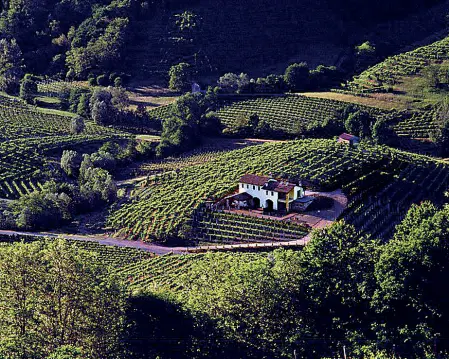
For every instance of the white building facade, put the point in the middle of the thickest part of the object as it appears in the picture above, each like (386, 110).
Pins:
(269, 193)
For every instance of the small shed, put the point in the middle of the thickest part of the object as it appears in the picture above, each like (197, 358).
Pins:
(348, 139)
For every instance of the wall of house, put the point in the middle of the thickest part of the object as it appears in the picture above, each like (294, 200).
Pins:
(260, 193)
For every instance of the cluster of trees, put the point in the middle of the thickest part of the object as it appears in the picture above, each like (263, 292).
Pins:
(72, 38)
(297, 77)
(58, 301)
(343, 289)
(191, 117)
(88, 185)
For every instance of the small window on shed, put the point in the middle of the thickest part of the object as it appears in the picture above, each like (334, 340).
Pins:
(272, 193)
(254, 187)
(266, 192)
(243, 186)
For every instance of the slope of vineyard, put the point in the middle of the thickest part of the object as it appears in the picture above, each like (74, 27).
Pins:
(23, 161)
(389, 72)
(288, 114)
(163, 273)
(114, 256)
(19, 120)
(165, 207)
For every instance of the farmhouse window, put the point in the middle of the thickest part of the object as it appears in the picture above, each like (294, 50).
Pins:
(266, 193)
(272, 193)
(254, 187)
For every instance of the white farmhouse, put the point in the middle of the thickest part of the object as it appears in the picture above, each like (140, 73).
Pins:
(269, 193)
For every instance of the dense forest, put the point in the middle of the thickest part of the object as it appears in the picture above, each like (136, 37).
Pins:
(76, 39)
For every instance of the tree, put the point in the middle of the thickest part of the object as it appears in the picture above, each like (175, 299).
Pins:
(70, 162)
(77, 125)
(83, 108)
(180, 77)
(56, 295)
(411, 295)
(365, 55)
(296, 76)
(96, 184)
(101, 107)
(28, 88)
(337, 267)
(47, 208)
(233, 83)
(181, 131)
(257, 303)
(359, 123)
(101, 52)
(10, 65)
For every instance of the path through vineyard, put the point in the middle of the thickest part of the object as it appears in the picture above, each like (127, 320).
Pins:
(329, 217)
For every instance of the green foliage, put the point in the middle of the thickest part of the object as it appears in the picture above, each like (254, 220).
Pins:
(70, 162)
(337, 271)
(28, 89)
(48, 208)
(181, 131)
(100, 52)
(96, 184)
(233, 83)
(180, 77)
(250, 298)
(66, 352)
(410, 275)
(10, 65)
(296, 76)
(53, 300)
(77, 125)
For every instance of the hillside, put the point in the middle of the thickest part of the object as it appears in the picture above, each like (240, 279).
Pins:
(166, 206)
(278, 33)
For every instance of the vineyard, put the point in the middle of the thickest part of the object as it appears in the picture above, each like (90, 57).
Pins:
(23, 161)
(380, 199)
(164, 206)
(167, 205)
(19, 120)
(419, 124)
(289, 114)
(163, 273)
(223, 227)
(389, 72)
(113, 256)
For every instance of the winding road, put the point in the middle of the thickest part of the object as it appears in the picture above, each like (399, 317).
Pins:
(326, 217)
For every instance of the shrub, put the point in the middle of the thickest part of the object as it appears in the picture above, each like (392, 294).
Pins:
(102, 80)
(28, 88)
(77, 125)
(180, 77)
(297, 76)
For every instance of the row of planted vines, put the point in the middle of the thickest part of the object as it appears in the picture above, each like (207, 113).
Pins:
(19, 120)
(24, 161)
(289, 114)
(389, 72)
(164, 206)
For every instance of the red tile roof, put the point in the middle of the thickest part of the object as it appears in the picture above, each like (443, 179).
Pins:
(273, 185)
(284, 187)
(254, 180)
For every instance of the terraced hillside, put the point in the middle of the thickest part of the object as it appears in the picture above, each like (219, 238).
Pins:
(165, 207)
(24, 161)
(163, 273)
(289, 114)
(114, 256)
(389, 72)
(19, 120)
